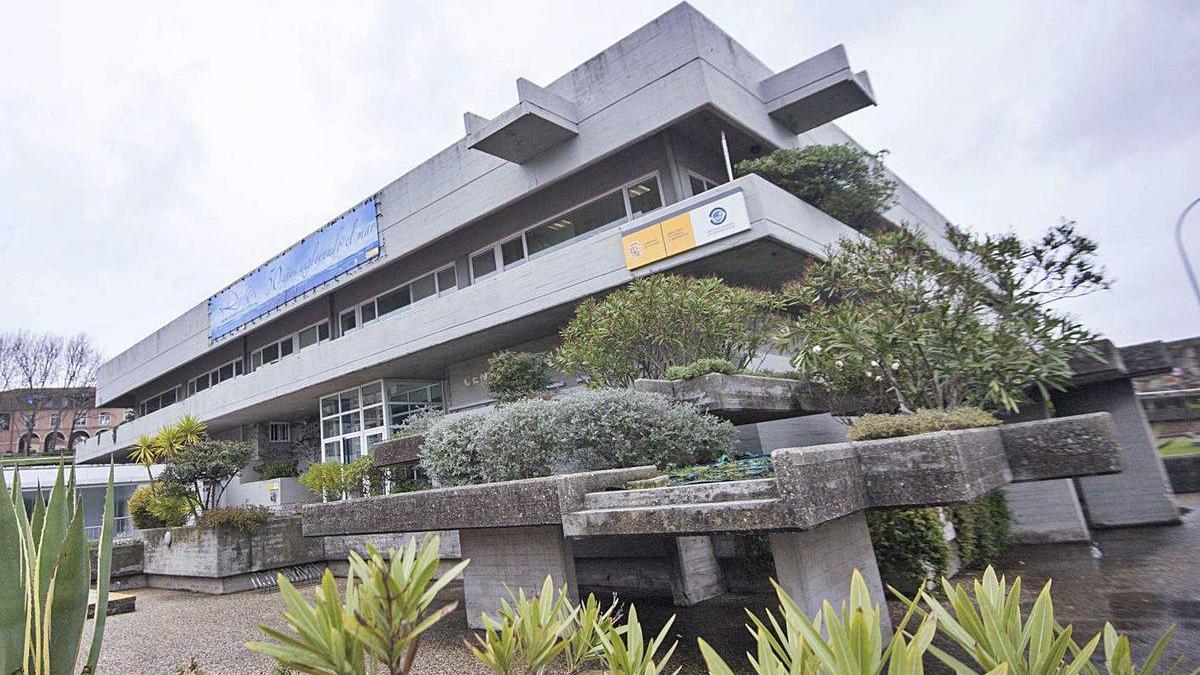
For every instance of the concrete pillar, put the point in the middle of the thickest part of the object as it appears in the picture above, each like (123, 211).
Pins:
(1046, 512)
(695, 573)
(511, 558)
(1139, 495)
(816, 565)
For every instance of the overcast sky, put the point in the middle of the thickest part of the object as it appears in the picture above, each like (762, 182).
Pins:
(151, 153)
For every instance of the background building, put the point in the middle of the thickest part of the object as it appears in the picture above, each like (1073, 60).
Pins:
(1172, 400)
(52, 421)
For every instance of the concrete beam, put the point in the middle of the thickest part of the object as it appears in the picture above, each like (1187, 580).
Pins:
(816, 91)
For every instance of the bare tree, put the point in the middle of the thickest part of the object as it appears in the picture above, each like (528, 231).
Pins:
(55, 373)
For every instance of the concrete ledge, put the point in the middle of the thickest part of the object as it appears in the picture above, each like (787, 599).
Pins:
(741, 399)
(519, 503)
(403, 450)
(1184, 472)
(1062, 447)
(221, 553)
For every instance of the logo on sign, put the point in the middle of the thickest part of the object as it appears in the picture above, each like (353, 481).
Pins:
(717, 216)
(635, 249)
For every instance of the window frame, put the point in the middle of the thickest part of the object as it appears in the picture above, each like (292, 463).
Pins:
(142, 404)
(495, 246)
(696, 174)
(285, 437)
(191, 384)
(373, 301)
(294, 337)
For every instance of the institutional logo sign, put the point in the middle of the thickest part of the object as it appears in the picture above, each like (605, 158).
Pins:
(716, 219)
(340, 246)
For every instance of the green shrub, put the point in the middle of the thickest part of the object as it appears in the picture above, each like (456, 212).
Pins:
(327, 480)
(281, 469)
(846, 182)
(450, 452)
(583, 431)
(517, 375)
(982, 529)
(417, 424)
(700, 367)
(245, 519)
(910, 546)
(152, 507)
(615, 428)
(869, 427)
(661, 321)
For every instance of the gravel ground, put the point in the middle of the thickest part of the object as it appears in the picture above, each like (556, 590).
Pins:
(1143, 580)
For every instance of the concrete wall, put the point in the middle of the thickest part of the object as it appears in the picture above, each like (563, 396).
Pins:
(1139, 495)
(272, 492)
(504, 560)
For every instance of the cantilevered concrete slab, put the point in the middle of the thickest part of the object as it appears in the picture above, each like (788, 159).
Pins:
(816, 91)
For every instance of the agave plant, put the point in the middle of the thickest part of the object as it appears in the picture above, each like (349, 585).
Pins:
(379, 622)
(45, 572)
(534, 632)
(845, 643)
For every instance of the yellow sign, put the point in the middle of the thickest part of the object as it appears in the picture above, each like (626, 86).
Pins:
(644, 246)
(716, 219)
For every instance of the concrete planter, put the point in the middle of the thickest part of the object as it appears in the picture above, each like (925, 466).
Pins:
(741, 399)
(403, 450)
(1184, 472)
(222, 560)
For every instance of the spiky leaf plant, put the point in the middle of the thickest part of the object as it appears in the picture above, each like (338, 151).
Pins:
(45, 572)
(380, 621)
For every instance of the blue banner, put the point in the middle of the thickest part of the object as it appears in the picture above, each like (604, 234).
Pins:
(334, 249)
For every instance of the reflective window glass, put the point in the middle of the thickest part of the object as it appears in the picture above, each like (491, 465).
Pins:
(512, 251)
(390, 302)
(604, 211)
(644, 197)
(483, 263)
(447, 279)
(423, 288)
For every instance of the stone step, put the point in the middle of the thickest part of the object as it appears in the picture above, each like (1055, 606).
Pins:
(700, 493)
(687, 518)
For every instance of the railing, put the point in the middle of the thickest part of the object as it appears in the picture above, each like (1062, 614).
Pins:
(122, 526)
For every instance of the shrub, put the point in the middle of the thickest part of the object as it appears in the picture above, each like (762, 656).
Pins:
(522, 440)
(846, 182)
(204, 469)
(661, 321)
(151, 507)
(614, 428)
(700, 367)
(245, 519)
(517, 375)
(923, 421)
(583, 431)
(282, 469)
(910, 546)
(449, 454)
(327, 480)
(418, 423)
(982, 529)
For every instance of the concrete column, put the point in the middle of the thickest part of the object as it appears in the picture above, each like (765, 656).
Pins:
(816, 565)
(695, 573)
(1046, 512)
(1139, 495)
(512, 558)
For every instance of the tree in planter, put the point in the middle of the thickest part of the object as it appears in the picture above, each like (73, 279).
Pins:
(891, 322)
(203, 470)
(516, 375)
(665, 320)
(846, 182)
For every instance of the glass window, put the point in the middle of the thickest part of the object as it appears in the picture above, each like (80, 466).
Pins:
(202, 382)
(372, 440)
(699, 184)
(644, 197)
(167, 398)
(351, 449)
(373, 417)
(435, 393)
(279, 432)
(393, 301)
(604, 211)
(351, 423)
(349, 322)
(349, 400)
(372, 394)
(323, 331)
(483, 263)
(308, 337)
(423, 288)
(329, 406)
(447, 279)
(329, 428)
(333, 451)
(285, 347)
(270, 353)
(512, 251)
(225, 373)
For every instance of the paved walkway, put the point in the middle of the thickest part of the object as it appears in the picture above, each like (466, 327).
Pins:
(1141, 579)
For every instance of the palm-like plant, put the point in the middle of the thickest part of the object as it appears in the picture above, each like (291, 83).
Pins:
(189, 430)
(44, 578)
(145, 452)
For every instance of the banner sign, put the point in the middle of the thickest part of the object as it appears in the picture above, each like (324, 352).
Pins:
(334, 249)
(708, 222)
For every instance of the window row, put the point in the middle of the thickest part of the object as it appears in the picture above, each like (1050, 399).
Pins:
(439, 282)
(158, 402)
(215, 376)
(103, 419)
(300, 340)
(619, 206)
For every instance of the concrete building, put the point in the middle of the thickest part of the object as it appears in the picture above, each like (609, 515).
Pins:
(613, 171)
(52, 421)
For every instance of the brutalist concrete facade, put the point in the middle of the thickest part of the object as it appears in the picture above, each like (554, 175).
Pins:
(653, 106)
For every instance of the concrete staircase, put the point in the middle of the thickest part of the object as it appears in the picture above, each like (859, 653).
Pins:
(738, 505)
